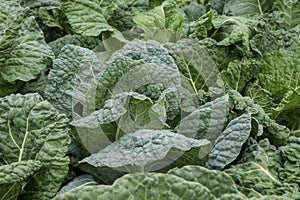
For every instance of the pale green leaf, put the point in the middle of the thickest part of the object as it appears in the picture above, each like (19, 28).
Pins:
(24, 54)
(145, 150)
(86, 17)
(247, 8)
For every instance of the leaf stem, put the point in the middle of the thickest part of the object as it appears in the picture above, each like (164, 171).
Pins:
(24, 141)
(259, 7)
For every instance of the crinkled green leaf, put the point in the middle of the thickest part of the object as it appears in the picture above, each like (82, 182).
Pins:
(193, 11)
(256, 177)
(18, 171)
(247, 8)
(137, 186)
(280, 71)
(145, 150)
(51, 16)
(262, 153)
(70, 84)
(121, 13)
(218, 5)
(24, 54)
(235, 31)
(86, 17)
(220, 54)
(84, 193)
(78, 40)
(276, 133)
(205, 122)
(161, 17)
(226, 30)
(31, 129)
(287, 111)
(13, 175)
(291, 151)
(291, 154)
(269, 40)
(201, 27)
(124, 70)
(110, 77)
(219, 183)
(239, 73)
(261, 97)
(39, 3)
(10, 191)
(28, 55)
(149, 51)
(262, 169)
(229, 144)
(290, 8)
(279, 77)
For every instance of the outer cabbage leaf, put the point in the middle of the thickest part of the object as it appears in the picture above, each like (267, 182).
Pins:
(228, 146)
(86, 17)
(13, 175)
(24, 53)
(70, 84)
(235, 31)
(120, 13)
(145, 150)
(50, 16)
(226, 30)
(280, 72)
(149, 51)
(31, 129)
(165, 16)
(78, 40)
(137, 186)
(125, 68)
(247, 8)
(205, 122)
(18, 171)
(219, 183)
(128, 111)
